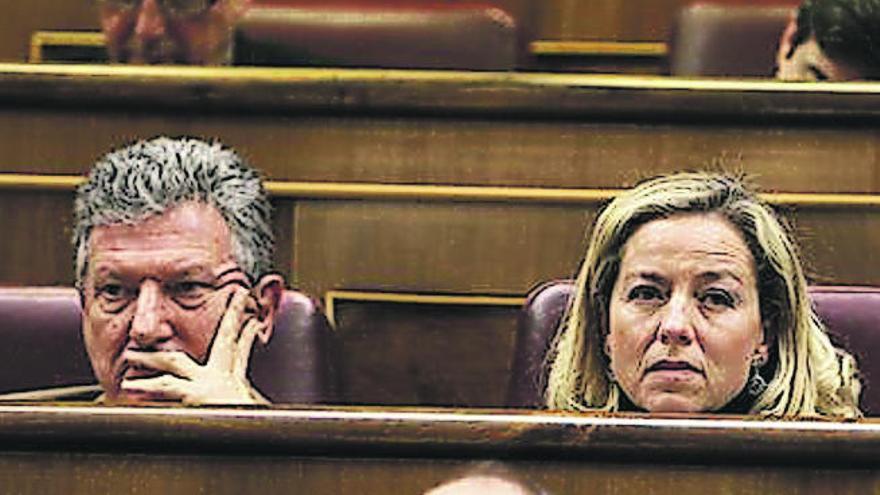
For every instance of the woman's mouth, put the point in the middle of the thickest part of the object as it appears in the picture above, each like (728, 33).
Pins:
(673, 365)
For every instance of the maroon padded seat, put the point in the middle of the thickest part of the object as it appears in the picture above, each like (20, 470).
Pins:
(723, 40)
(852, 315)
(43, 348)
(441, 36)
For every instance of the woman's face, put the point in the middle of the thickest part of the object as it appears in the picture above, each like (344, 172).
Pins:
(684, 322)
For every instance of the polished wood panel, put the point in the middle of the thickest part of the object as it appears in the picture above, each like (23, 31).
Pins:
(619, 20)
(435, 248)
(391, 127)
(36, 246)
(425, 354)
(407, 150)
(367, 450)
(20, 19)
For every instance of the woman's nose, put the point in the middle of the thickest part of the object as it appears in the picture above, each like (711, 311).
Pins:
(676, 324)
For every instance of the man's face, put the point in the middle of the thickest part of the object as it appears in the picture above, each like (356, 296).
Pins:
(159, 285)
(195, 32)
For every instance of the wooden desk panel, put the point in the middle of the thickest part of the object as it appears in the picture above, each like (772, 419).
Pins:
(87, 450)
(444, 247)
(465, 149)
(94, 474)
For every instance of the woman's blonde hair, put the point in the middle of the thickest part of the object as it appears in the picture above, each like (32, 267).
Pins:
(806, 375)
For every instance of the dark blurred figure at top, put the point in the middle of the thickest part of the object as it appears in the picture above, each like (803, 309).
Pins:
(198, 32)
(831, 40)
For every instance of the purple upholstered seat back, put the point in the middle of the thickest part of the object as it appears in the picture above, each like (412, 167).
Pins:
(852, 315)
(727, 40)
(42, 346)
(437, 36)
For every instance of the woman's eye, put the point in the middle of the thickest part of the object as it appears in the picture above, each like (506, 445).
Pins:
(717, 298)
(644, 293)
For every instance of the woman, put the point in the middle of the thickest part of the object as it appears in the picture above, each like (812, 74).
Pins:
(691, 297)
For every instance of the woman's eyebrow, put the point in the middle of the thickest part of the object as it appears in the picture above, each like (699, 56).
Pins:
(715, 275)
(652, 277)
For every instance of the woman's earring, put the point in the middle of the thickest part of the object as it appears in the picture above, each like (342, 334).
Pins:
(757, 385)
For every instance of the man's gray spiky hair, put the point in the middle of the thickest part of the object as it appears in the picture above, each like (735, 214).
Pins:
(146, 178)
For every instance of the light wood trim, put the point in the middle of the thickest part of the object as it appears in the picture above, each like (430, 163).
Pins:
(547, 48)
(468, 194)
(464, 194)
(184, 75)
(96, 39)
(40, 39)
(51, 394)
(435, 433)
(331, 298)
(37, 182)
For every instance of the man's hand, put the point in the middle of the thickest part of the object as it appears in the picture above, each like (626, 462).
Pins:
(222, 379)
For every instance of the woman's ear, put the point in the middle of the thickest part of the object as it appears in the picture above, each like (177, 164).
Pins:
(268, 292)
(762, 354)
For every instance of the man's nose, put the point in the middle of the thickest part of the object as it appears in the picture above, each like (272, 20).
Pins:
(148, 326)
(676, 324)
(151, 22)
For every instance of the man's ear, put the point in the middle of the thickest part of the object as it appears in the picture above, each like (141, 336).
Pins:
(786, 40)
(268, 293)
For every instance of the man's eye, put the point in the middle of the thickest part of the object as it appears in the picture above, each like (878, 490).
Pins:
(113, 298)
(112, 292)
(189, 294)
(189, 289)
(717, 298)
(644, 293)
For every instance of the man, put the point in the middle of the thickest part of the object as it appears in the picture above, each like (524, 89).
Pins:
(831, 40)
(487, 478)
(173, 248)
(198, 32)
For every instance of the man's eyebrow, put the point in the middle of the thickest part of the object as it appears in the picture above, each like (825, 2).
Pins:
(243, 281)
(229, 272)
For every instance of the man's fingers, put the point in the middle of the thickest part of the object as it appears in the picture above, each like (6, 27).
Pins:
(173, 362)
(165, 386)
(244, 346)
(223, 348)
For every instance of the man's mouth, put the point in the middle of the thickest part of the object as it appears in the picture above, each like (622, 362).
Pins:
(673, 365)
(137, 372)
